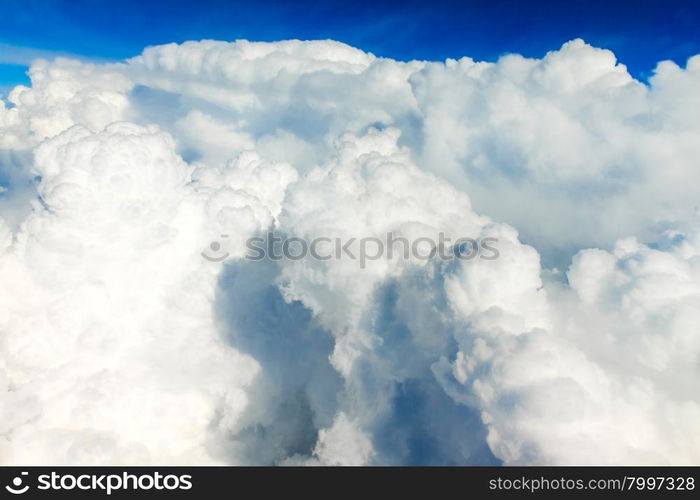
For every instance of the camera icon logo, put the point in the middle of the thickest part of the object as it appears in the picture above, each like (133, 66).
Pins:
(16, 487)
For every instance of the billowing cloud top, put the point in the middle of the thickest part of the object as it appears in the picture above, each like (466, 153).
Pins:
(579, 344)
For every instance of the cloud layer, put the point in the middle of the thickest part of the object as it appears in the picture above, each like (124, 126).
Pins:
(119, 343)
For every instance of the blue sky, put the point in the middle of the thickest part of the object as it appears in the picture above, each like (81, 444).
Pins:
(640, 32)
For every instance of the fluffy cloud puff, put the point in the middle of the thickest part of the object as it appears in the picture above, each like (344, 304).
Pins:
(120, 360)
(121, 344)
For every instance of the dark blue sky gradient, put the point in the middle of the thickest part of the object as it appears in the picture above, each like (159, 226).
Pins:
(640, 32)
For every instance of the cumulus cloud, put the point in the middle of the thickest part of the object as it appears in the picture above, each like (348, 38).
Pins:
(120, 343)
(570, 149)
(110, 352)
(609, 380)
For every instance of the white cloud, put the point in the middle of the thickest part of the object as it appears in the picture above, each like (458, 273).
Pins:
(121, 344)
(110, 352)
(572, 131)
(609, 381)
